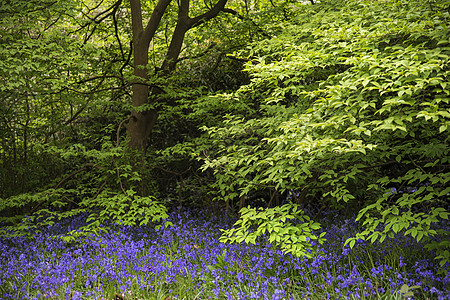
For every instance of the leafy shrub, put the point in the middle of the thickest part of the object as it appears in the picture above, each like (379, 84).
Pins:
(290, 237)
(348, 102)
(105, 187)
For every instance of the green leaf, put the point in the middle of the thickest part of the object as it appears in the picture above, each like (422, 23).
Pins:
(352, 244)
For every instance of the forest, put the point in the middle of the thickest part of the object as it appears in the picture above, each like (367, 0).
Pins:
(224, 149)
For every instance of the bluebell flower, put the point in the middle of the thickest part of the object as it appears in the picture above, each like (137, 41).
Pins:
(278, 294)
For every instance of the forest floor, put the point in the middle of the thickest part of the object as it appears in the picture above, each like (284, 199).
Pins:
(187, 261)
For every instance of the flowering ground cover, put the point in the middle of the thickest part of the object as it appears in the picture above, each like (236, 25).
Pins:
(187, 261)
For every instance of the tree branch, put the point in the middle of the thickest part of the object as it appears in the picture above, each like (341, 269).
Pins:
(128, 58)
(101, 77)
(184, 23)
(118, 130)
(116, 32)
(214, 11)
(241, 17)
(86, 166)
(99, 17)
(198, 55)
(89, 99)
(173, 172)
(154, 21)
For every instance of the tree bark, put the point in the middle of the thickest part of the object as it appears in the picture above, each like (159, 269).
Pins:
(142, 121)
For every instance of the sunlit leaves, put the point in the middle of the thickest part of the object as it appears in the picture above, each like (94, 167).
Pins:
(347, 106)
(284, 226)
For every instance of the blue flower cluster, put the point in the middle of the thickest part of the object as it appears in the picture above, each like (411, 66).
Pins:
(187, 261)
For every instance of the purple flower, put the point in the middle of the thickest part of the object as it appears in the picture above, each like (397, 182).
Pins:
(278, 294)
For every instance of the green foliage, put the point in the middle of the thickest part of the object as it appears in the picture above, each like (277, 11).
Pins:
(130, 210)
(347, 102)
(57, 88)
(442, 249)
(343, 104)
(407, 291)
(292, 237)
(105, 187)
(399, 216)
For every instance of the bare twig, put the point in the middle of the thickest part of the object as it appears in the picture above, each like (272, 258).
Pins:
(99, 18)
(86, 166)
(120, 180)
(416, 165)
(241, 17)
(198, 55)
(128, 58)
(100, 77)
(172, 172)
(118, 130)
(100, 189)
(116, 31)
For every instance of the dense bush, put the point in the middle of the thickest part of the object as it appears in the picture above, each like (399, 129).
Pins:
(348, 107)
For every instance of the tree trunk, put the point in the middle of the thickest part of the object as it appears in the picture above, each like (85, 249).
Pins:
(142, 121)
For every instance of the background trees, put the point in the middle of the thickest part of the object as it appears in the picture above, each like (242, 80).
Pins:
(340, 104)
(44, 94)
(73, 68)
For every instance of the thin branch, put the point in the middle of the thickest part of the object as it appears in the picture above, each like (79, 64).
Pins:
(100, 3)
(48, 27)
(100, 77)
(79, 111)
(86, 166)
(154, 21)
(214, 11)
(128, 58)
(120, 180)
(173, 172)
(272, 196)
(96, 21)
(100, 189)
(198, 55)
(241, 17)
(116, 32)
(108, 89)
(113, 7)
(86, 39)
(85, 105)
(416, 165)
(118, 129)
